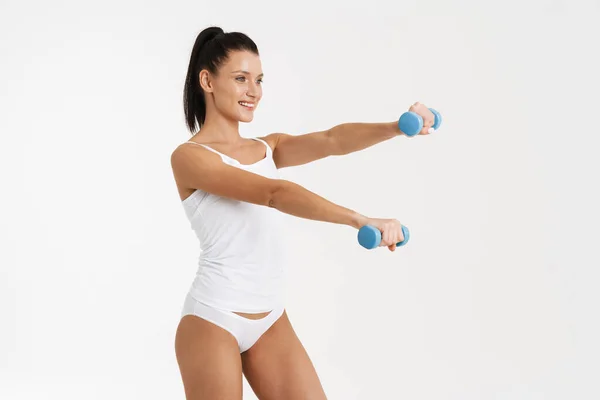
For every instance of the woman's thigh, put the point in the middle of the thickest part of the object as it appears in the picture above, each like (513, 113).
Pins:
(209, 360)
(278, 367)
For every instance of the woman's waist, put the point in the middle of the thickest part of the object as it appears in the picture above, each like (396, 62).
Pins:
(240, 267)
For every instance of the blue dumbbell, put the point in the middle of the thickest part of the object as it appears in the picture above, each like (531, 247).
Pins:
(411, 123)
(369, 237)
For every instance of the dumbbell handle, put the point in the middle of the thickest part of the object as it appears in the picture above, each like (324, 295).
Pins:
(369, 237)
(411, 123)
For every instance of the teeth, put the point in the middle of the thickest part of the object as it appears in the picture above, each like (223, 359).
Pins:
(246, 104)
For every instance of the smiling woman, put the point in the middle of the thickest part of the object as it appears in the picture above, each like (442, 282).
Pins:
(234, 319)
(231, 71)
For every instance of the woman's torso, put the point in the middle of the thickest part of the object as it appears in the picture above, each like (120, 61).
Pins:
(240, 241)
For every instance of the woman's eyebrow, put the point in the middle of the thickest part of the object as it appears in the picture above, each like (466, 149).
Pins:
(245, 72)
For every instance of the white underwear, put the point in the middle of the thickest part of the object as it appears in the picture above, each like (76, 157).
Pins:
(245, 330)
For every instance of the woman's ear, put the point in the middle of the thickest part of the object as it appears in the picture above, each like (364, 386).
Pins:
(205, 81)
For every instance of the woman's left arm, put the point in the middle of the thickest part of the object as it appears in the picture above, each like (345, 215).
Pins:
(291, 150)
(356, 136)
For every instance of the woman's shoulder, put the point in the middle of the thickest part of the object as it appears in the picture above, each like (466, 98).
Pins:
(271, 139)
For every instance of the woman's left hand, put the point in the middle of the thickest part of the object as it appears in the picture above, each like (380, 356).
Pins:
(426, 114)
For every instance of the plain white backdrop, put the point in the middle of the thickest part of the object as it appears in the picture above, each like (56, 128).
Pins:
(495, 296)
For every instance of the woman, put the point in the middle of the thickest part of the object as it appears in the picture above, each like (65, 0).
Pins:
(233, 320)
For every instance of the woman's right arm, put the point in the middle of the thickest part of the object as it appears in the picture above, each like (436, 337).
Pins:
(195, 167)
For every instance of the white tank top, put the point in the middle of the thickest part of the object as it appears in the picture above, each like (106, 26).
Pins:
(241, 265)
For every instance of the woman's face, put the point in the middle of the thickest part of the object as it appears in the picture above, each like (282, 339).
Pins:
(237, 89)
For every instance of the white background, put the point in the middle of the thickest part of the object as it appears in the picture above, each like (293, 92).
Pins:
(495, 296)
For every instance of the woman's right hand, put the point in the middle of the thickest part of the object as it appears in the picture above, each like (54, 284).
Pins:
(391, 231)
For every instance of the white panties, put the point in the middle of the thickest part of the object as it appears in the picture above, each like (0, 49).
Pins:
(245, 330)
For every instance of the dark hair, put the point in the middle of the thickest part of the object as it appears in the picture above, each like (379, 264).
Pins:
(211, 49)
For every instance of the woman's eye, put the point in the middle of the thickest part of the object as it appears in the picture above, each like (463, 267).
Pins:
(242, 79)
